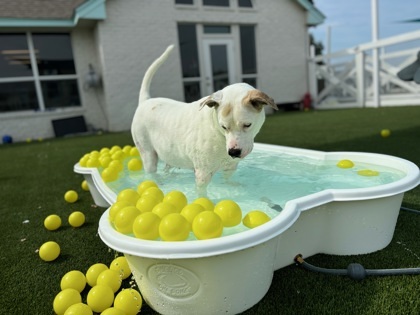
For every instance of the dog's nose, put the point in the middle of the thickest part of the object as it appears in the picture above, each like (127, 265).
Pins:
(235, 153)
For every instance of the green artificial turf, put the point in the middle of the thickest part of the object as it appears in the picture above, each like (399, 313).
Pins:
(34, 177)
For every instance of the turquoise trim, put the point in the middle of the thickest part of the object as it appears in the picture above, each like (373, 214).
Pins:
(315, 17)
(90, 10)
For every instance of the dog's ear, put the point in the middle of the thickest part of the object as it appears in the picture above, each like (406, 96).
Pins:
(213, 100)
(258, 100)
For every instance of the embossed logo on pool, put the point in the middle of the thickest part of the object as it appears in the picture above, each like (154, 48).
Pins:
(174, 281)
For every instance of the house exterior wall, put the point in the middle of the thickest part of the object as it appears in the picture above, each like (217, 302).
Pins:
(129, 45)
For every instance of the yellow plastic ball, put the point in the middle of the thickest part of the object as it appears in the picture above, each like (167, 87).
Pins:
(105, 161)
(368, 173)
(129, 301)
(174, 227)
(190, 211)
(345, 164)
(52, 222)
(144, 185)
(124, 219)
(155, 192)
(118, 155)
(71, 196)
(129, 195)
(93, 272)
(76, 219)
(93, 162)
(177, 198)
(126, 149)
(205, 202)
(255, 218)
(109, 174)
(110, 278)
(147, 203)
(74, 279)
(385, 133)
(134, 152)
(121, 266)
(64, 299)
(79, 309)
(116, 207)
(104, 150)
(114, 149)
(229, 211)
(135, 164)
(206, 225)
(49, 251)
(146, 226)
(117, 164)
(99, 298)
(85, 185)
(162, 209)
(113, 311)
(83, 161)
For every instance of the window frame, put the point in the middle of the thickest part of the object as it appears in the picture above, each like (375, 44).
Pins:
(37, 79)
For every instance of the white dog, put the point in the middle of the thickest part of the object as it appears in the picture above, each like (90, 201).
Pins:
(211, 134)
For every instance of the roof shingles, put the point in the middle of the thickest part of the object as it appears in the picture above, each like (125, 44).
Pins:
(39, 9)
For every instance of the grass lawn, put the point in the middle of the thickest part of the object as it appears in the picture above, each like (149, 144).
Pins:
(34, 177)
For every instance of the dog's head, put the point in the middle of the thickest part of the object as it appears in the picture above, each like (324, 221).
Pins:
(240, 115)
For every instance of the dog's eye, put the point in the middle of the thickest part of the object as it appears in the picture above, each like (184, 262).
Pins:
(247, 125)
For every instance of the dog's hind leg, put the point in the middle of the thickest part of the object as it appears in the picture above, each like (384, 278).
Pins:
(202, 180)
(150, 161)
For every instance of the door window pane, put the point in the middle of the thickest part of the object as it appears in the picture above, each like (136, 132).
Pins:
(219, 3)
(183, 1)
(216, 29)
(192, 91)
(219, 66)
(14, 56)
(248, 53)
(54, 54)
(189, 53)
(18, 96)
(60, 93)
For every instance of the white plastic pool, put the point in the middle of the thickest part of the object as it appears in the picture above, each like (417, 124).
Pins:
(232, 273)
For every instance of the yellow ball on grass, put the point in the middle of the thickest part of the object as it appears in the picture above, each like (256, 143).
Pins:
(71, 196)
(110, 278)
(100, 297)
(385, 133)
(74, 279)
(85, 185)
(52, 222)
(79, 309)
(93, 272)
(76, 219)
(49, 251)
(129, 301)
(64, 299)
(121, 265)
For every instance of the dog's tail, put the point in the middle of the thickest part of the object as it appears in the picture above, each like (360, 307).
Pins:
(147, 79)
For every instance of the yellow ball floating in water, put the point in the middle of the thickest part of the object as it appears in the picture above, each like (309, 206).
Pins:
(206, 225)
(93, 272)
(229, 211)
(121, 266)
(190, 211)
(65, 299)
(129, 301)
(135, 164)
(146, 226)
(163, 208)
(71, 196)
(147, 203)
(255, 218)
(385, 133)
(49, 251)
(74, 279)
(368, 173)
(52, 222)
(155, 192)
(99, 298)
(177, 198)
(144, 185)
(129, 195)
(124, 219)
(116, 207)
(205, 202)
(345, 164)
(134, 152)
(79, 309)
(109, 174)
(174, 227)
(76, 219)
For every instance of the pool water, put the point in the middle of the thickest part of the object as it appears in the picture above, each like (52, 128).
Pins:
(264, 181)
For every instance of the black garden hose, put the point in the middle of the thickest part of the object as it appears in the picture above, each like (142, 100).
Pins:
(356, 271)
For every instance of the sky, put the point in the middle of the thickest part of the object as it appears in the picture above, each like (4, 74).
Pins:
(350, 21)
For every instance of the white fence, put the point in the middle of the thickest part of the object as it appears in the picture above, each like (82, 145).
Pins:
(348, 75)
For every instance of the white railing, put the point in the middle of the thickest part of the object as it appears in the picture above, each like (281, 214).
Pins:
(347, 75)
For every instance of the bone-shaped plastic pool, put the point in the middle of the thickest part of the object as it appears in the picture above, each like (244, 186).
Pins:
(230, 274)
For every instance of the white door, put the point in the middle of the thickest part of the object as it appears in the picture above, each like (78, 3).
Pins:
(218, 64)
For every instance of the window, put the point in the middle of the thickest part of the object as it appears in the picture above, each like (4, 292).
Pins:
(216, 29)
(184, 1)
(216, 3)
(245, 3)
(187, 37)
(248, 54)
(37, 72)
